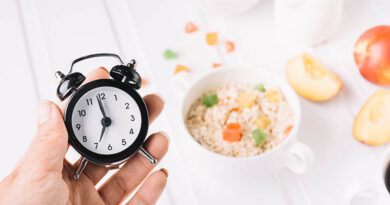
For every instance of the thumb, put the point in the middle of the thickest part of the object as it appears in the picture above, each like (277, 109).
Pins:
(49, 145)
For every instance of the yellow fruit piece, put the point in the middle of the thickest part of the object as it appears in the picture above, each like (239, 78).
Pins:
(273, 96)
(262, 122)
(211, 38)
(180, 68)
(372, 124)
(246, 100)
(312, 80)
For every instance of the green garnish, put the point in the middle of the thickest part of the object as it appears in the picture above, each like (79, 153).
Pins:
(210, 100)
(261, 87)
(169, 54)
(259, 136)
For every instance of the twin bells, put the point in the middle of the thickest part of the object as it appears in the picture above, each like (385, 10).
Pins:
(122, 73)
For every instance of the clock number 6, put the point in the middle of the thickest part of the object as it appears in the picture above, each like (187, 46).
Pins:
(109, 147)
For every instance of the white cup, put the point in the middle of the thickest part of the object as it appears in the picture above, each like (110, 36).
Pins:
(371, 192)
(249, 173)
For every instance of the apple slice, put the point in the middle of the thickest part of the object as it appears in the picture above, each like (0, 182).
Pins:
(312, 80)
(372, 124)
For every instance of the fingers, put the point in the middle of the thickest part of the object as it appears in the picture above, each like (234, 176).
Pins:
(99, 73)
(151, 190)
(123, 182)
(155, 105)
(48, 147)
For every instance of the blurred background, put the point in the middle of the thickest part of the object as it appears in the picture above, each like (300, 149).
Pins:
(39, 37)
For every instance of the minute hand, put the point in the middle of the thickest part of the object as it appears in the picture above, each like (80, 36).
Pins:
(101, 106)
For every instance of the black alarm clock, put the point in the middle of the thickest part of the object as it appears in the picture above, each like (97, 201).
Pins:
(107, 120)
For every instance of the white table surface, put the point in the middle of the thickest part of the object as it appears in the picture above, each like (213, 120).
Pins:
(39, 37)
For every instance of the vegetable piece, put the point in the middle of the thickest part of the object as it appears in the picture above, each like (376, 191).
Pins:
(169, 54)
(211, 38)
(210, 100)
(232, 132)
(372, 55)
(261, 87)
(372, 124)
(229, 46)
(288, 130)
(312, 80)
(273, 96)
(180, 68)
(262, 122)
(246, 100)
(190, 27)
(216, 65)
(144, 82)
(259, 136)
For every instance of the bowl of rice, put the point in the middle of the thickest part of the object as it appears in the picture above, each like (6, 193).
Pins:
(239, 126)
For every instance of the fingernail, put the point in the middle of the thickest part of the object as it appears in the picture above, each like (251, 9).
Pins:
(44, 111)
(160, 96)
(164, 171)
(165, 135)
(105, 69)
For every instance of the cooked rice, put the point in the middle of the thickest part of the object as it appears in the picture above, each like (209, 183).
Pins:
(206, 124)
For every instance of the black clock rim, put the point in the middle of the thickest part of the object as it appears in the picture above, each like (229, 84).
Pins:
(111, 158)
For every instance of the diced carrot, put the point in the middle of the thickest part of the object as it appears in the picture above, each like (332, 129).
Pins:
(228, 98)
(216, 65)
(229, 46)
(211, 38)
(235, 109)
(180, 68)
(288, 130)
(232, 132)
(190, 27)
(145, 82)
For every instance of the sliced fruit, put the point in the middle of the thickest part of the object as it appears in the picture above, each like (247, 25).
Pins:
(246, 100)
(372, 124)
(211, 38)
(312, 80)
(262, 122)
(190, 27)
(232, 132)
(180, 68)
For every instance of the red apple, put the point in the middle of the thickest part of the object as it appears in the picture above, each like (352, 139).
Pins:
(372, 55)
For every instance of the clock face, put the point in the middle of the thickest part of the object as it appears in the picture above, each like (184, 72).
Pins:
(106, 120)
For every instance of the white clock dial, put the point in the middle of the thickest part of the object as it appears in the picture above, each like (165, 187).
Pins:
(123, 113)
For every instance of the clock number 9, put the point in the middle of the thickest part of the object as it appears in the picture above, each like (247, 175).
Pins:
(109, 147)
(78, 126)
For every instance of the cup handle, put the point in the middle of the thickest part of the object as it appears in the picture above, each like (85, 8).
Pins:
(362, 191)
(297, 159)
(181, 83)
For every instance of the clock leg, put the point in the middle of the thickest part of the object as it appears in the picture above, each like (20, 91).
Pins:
(148, 156)
(80, 167)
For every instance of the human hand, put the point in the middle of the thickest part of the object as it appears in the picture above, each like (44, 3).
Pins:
(43, 176)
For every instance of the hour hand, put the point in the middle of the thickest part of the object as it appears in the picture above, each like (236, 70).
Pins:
(101, 106)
